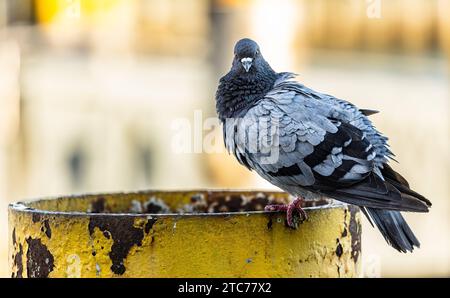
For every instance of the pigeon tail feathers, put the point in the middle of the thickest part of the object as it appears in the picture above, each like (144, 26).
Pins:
(394, 228)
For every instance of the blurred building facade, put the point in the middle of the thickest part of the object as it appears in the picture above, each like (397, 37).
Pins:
(89, 89)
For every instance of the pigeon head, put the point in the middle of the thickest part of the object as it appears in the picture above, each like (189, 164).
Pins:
(248, 58)
(246, 53)
(248, 80)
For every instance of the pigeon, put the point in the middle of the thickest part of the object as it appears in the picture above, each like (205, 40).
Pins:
(312, 145)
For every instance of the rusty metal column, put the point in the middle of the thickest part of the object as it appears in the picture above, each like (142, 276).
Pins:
(180, 234)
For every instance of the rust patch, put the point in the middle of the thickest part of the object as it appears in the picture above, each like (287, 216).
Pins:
(270, 223)
(106, 234)
(197, 204)
(14, 236)
(345, 232)
(17, 259)
(355, 232)
(156, 206)
(40, 261)
(36, 217)
(123, 234)
(256, 204)
(236, 203)
(195, 199)
(98, 206)
(149, 225)
(339, 249)
(218, 202)
(47, 230)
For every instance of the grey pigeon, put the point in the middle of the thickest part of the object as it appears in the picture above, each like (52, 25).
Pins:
(311, 145)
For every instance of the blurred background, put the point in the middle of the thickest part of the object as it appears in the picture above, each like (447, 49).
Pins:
(90, 91)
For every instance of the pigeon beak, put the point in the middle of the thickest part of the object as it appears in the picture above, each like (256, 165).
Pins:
(247, 63)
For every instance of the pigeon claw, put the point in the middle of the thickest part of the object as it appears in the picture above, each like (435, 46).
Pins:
(294, 212)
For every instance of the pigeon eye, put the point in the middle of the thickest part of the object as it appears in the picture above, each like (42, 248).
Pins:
(257, 52)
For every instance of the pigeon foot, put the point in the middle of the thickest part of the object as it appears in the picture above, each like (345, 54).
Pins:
(294, 212)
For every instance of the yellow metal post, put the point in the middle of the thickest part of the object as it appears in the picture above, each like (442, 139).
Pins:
(180, 234)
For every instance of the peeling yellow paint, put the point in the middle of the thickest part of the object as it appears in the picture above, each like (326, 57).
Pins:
(241, 244)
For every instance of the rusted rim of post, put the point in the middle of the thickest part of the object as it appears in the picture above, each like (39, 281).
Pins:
(26, 206)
